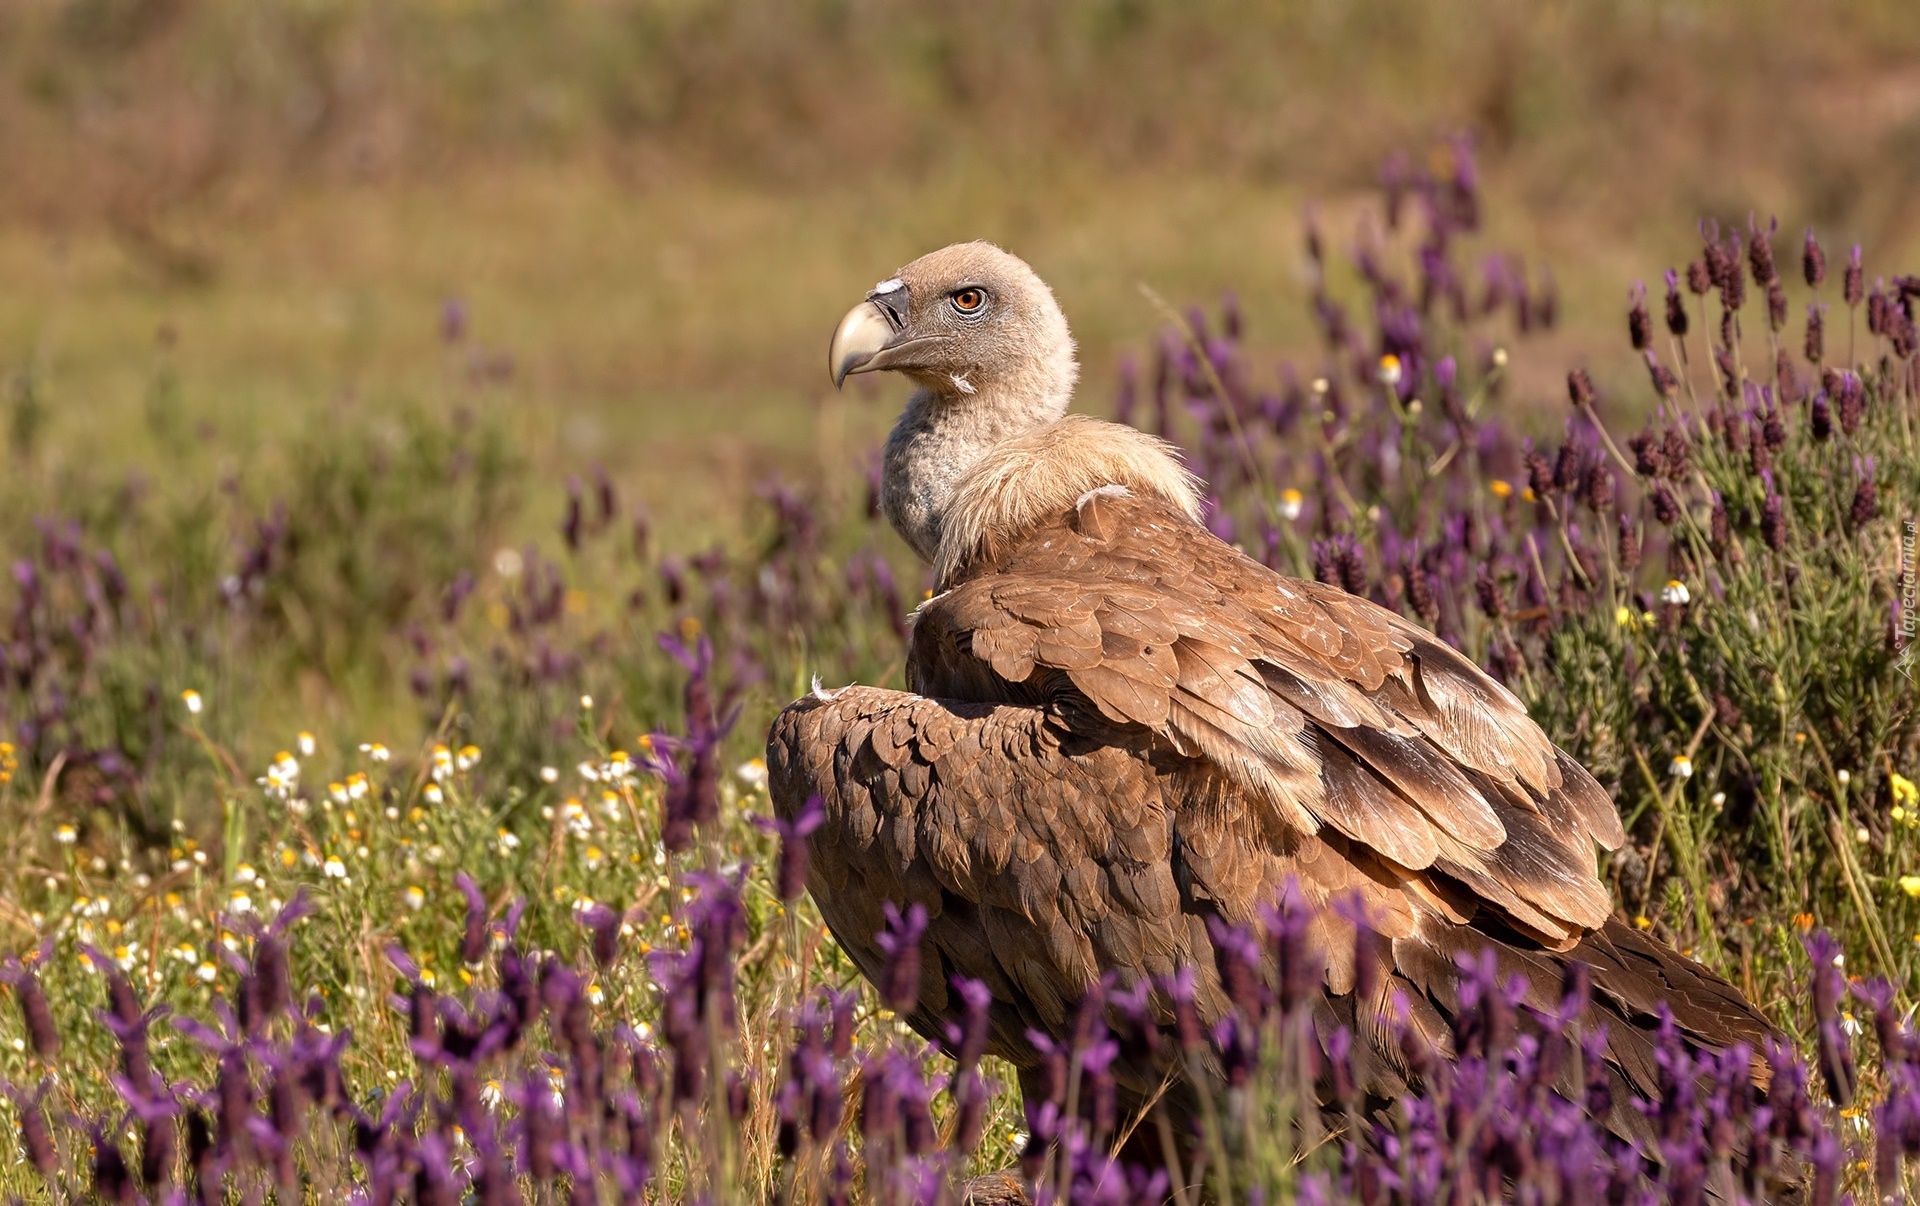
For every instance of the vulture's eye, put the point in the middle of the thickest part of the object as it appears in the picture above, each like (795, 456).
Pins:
(970, 301)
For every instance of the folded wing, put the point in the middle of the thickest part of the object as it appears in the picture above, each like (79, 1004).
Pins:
(1330, 712)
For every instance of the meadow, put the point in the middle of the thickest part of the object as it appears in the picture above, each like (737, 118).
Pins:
(422, 490)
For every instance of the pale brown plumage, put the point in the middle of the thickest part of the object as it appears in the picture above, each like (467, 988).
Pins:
(1118, 726)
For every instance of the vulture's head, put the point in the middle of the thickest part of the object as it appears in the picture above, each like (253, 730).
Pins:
(968, 321)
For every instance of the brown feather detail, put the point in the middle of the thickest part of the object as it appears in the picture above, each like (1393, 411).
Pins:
(1120, 698)
(1224, 681)
(1478, 722)
(1580, 800)
(1359, 804)
(1439, 896)
(1477, 887)
(1331, 701)
(1366, 645)
(1640, 975)
(1418, 772)
(1010, 647)
(1545, 860)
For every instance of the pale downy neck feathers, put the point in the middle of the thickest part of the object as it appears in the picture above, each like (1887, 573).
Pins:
(1033, 477)
(961, 478)
(940, 436)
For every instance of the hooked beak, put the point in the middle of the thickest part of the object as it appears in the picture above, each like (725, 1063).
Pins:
(873, 336)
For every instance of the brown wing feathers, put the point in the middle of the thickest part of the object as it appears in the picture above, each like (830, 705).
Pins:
(1335, 711)
(1159, 729)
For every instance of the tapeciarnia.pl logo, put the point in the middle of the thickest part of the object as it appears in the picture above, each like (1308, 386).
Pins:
(1909, 597)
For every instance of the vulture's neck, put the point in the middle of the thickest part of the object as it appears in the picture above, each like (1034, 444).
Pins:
(1032, 478)
(940, 437)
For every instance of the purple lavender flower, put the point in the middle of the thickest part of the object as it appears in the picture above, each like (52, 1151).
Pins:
(1580, 389)
(1421, 596)
(1649, 454)
(1326, 562)
(264, 989)
(1820, 418)
(1699, 278)
(1287, 923)
(453, 320)
(1813, 261)
(1666, 508)
(690, 766)
(1760, 251)
(1865, 500)
(473, 939)
(31, 1119)
(1629, 544)
(434, 1183)
(1773, 522)
(110, 1178)
(1815, 347)
(1897, 1044)
(1236, 1043)
(19, 975)
(790, 878)
(1488, 595)
(1676, 307)
(1127, 393)
(572, 523)
(1598, 489)
(136, 1060)
(1237, 959)
(1180, 989)
(603, 928)
(1851, 403)
(1829, 988)
(717, 921)
(900, 942)
(1664, 382)
(1719, 527)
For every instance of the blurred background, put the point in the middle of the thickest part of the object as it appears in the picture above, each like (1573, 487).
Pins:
(637, 221)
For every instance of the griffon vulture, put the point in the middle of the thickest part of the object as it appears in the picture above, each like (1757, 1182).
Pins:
(1118, 726)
